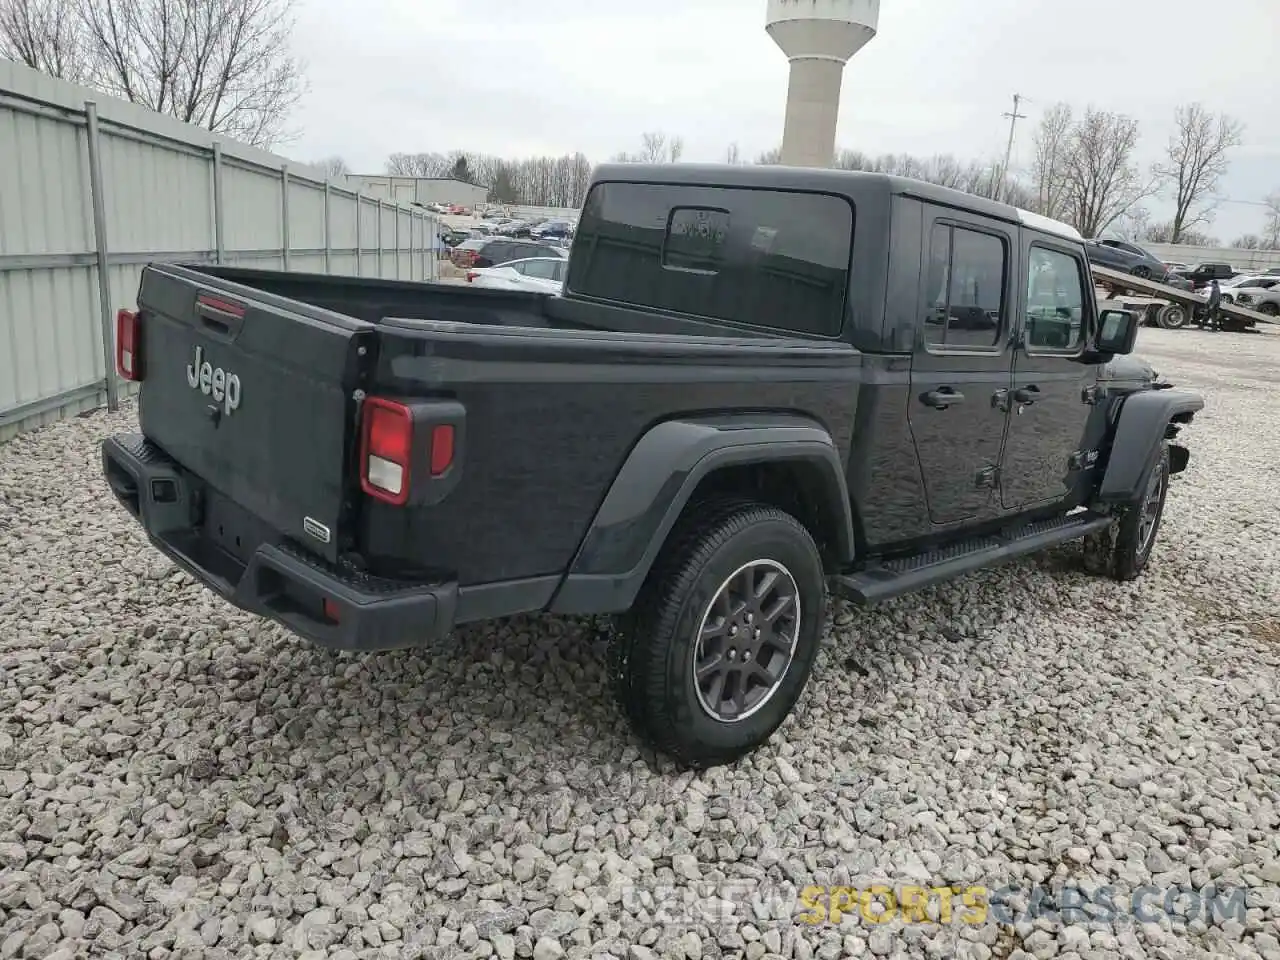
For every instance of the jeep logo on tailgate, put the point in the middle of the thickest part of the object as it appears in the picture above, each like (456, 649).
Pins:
(214, 382)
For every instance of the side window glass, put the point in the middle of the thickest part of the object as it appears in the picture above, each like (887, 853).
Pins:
(1055, 302)
(964, 288)
(519, 266)
(543, 269)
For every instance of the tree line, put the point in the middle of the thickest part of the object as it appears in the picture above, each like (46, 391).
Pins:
(226, 65)
(1084, 171)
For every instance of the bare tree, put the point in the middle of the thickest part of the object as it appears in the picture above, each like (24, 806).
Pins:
(1250, 241)
(43, 34)
(417, 164)
(733, 154)
(772, 156)
(333, 166)
(221, 64)
(1271, 230)
(1102, 180)
(1053, 145)
(539, 181)
(655, 147)
(1163, 233)
(1195, 160)
(1133, 225)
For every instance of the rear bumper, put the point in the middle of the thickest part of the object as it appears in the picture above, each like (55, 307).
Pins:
(272, 578)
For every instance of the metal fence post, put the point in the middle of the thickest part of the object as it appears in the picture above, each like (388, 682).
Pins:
(396, 208)
(359, 237)
(100, 239)
(328, 263)
(380, 268)
(413, 218)
(219, 238)
(284, 214)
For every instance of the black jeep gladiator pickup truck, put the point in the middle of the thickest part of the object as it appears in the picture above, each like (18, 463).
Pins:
(759, 382)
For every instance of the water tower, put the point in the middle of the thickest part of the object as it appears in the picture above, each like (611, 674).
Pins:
(818, 37)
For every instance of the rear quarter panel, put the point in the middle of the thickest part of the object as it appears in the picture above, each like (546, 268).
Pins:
(552, 415)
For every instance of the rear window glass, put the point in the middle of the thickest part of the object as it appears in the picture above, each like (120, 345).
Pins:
(765, 258)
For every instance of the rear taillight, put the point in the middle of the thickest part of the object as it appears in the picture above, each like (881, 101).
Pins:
(128, 345)
(471, 275)
(441, 448)
(387, 437)
(386, 446)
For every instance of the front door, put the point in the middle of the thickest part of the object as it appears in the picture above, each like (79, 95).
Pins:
(962, 360)
(1048, 411)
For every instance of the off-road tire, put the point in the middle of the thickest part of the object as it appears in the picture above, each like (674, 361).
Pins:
(652, 659)
(1120, 551)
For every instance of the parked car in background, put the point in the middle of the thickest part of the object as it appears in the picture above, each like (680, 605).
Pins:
(1239, 284)
(492, 251)
(536, 275)
(1174, 265)
(1202, 274)
(552, 230)
(1263, 299)
(1129, 257)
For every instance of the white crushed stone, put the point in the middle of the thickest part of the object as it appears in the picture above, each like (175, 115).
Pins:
(180, 779)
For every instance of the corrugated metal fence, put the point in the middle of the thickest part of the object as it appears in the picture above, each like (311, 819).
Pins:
(90, 192)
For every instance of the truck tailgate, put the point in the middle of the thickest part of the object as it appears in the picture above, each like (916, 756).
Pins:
(253, 394)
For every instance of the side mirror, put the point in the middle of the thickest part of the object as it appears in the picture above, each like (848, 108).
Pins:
(1118, 331)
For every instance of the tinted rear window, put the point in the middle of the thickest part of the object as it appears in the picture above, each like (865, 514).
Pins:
(766, 258)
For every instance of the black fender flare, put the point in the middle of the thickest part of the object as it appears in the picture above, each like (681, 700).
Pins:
(655, 483)
(1141, 424)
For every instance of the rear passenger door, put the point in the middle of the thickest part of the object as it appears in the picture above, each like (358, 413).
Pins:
(962, 361)
(1048, 409)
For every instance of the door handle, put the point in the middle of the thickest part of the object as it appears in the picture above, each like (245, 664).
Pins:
(941, 398)
(1027, 395)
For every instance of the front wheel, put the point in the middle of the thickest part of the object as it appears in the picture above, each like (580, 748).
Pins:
(1123, 550)
(1142, 273)
(1269, 308)
(722, 637)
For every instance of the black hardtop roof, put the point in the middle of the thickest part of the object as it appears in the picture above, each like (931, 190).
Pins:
(851, 184)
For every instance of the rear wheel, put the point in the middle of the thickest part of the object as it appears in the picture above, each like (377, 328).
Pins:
(1269, 308)
(1172, 317)
(1142, 273)
(722, 637)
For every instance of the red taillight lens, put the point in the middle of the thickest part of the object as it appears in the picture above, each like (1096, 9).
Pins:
(332, 612)
(441, 449)
(128, 345)
(471, 275)
(386, 445)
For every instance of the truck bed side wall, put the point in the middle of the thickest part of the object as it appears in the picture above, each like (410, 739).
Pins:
(550, 420)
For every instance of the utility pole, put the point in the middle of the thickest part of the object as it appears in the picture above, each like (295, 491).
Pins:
(1014, 117)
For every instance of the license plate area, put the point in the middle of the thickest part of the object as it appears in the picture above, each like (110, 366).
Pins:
(230, 528)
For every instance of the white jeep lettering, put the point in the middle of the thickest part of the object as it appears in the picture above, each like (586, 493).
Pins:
(214, 382)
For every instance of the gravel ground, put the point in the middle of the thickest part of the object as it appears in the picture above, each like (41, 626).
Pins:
(180, 779)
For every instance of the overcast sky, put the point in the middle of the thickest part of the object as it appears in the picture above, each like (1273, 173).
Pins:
(519, 77)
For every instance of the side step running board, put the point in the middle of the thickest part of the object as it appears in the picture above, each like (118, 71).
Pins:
(884, 579)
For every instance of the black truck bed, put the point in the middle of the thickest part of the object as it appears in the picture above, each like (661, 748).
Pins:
(549, 408)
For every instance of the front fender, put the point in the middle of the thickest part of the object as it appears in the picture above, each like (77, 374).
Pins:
(1142, 422)
(658, 478)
